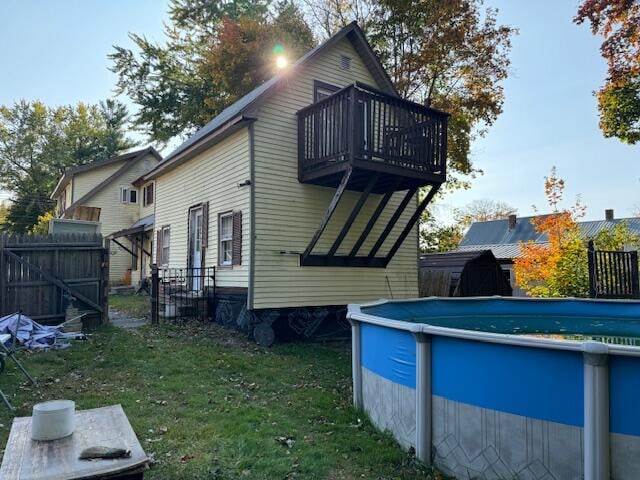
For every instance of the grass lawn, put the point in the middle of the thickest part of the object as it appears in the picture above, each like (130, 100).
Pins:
(135, 305)
(208, 404)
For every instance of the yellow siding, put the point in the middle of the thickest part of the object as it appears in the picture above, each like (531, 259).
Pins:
(212, 176)
(83, 182)
(114, 215)
(287, 212)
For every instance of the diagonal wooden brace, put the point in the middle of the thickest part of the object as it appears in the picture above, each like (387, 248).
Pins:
(327, 216)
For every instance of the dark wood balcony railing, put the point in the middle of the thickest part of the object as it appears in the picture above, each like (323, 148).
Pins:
(371, 130)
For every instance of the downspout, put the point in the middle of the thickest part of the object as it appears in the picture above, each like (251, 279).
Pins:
(252, 216)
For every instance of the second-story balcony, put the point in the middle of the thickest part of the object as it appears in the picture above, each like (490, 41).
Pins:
(402, 143)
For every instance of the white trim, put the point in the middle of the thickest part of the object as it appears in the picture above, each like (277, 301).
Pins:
(221, 260)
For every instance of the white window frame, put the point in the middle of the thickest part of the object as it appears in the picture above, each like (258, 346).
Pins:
(125, 195)
(166, 244)
(222, 240)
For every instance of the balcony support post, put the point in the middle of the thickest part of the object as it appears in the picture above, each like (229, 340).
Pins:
(354, 213)
(392, 222)
(327, 216)
(413, 220)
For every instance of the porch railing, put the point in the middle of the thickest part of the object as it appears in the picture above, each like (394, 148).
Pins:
(363, 124)
(183, 293)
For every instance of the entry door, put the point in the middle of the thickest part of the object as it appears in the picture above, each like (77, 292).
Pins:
(195, 246)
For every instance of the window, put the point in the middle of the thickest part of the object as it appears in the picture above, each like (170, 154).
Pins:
(147, 195)
(322, 90)
(128, 195)
(225, 248)
(165, 241)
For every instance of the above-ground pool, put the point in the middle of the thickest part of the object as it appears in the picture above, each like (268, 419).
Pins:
(505, 388)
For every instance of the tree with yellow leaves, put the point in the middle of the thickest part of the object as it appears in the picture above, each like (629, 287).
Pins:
(557, 268)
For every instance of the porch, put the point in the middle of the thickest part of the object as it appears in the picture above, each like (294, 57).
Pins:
(400, 143)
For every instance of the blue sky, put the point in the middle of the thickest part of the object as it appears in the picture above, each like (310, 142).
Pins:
(56, 51)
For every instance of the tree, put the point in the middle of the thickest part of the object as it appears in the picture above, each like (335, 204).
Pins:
(559, 267)
(439, 238)
(451, 54)
(483, 210)
(618, 238)
(4, 212)
(37, 143)
(42, 225)
(618, 22)
(215, 53)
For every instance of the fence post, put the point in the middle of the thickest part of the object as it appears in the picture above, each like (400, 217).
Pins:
(3, 277)
(593, 291)
(106, 258)
(154, 294)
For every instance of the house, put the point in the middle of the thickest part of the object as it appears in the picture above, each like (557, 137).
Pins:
(113, 193)
(303, 193)
(503, 237)
(470, 273)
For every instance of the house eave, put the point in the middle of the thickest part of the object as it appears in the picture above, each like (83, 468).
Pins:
(65, 179)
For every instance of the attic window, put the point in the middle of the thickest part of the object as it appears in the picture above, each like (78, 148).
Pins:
(345, 62)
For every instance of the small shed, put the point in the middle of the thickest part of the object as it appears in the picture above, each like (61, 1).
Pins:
(462, 274)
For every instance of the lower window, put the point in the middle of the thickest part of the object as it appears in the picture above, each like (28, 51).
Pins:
(226, 238)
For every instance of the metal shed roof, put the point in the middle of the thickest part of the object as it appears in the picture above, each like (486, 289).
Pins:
(503, 241)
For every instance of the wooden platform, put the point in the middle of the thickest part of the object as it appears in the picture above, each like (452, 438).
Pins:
(26, 459)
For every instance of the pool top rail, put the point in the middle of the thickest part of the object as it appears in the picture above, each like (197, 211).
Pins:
(395, 313)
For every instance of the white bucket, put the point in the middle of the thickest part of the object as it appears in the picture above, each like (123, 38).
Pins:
(53, 420)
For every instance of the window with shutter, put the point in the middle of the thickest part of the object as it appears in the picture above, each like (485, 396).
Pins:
(225, 238)
(164, 242)
(159, 247)
(205, 224)
(237, 238)
(147, 195)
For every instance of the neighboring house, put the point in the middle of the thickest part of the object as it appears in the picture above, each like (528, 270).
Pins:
(113, 193)
(503, 237)
(303, 192)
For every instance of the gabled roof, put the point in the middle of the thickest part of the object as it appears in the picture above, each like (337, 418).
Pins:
(126, 166)
(242, 109)
(70, 172)
(495, 232)
(495, 235)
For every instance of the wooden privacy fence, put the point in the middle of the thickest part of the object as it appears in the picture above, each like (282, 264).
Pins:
(43, 275)
(613, 274)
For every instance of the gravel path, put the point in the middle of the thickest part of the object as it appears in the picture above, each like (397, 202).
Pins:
(123, 320)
